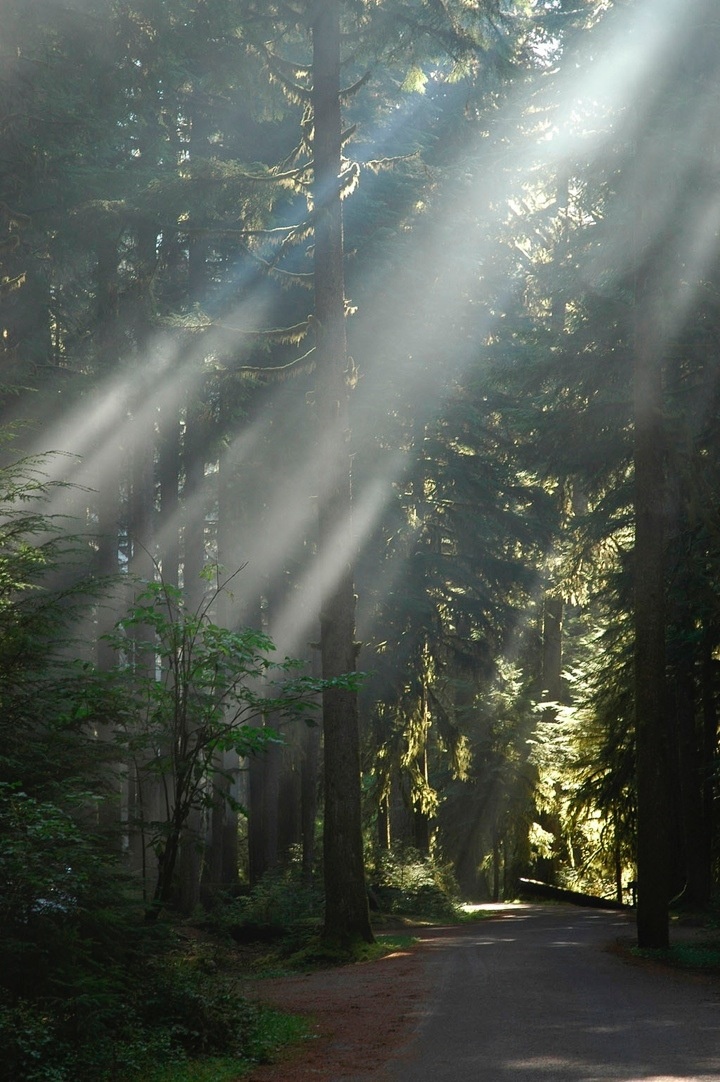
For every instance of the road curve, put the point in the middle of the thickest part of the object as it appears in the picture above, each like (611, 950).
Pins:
(536, 995)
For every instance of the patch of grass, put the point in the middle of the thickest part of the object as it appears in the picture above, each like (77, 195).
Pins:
(315, 955)
(384, 944)
(274, 1031)
(470, 913)
(214, 1069)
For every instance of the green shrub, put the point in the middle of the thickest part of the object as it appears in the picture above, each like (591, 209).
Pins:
(29, 1048)
(280, 905)
(405, 881)
(199, 1008)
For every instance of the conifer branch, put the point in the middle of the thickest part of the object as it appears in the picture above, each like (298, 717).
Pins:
(237, 231)
(349, 91)
(254, 370)
(376, 165)
(293, 90)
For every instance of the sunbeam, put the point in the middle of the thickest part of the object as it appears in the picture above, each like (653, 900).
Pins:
(299, 616)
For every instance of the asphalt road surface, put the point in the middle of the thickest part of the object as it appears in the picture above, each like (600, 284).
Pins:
(538, 995)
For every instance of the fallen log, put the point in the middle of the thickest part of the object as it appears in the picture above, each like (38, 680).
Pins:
(533, 888)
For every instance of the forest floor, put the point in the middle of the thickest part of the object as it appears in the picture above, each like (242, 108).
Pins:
(359, 1015)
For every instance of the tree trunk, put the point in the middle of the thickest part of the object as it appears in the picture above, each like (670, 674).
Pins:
(694, 869)
(144, 798)
(649, 567)
(346, 906)
(189, 863)
(107, 457)
(496, 867)
(221, 863)
(383, 823)
(552, 646)
(552, 651)
(309, 770)
(709, 743)
(190, 860)
(169, 490)
(422, 832)
(220, 868)
(289, 797)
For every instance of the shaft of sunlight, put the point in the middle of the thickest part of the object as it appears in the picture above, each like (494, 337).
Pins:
(299, 616)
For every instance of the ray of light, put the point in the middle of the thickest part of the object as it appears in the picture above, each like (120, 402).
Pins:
(299, 615)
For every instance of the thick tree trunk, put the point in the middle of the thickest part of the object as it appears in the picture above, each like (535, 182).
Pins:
(653, 855)
(346, 905)
(710, 741)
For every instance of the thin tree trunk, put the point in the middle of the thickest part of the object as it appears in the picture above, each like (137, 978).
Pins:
(421, 820)
(145, 807)
(383, 823)
(169, 491)
(220, 870)
(289, 797)
(694, 869)
(552, 651)
(309, 770)
(192, 842)
(189, 862)
(107, 458)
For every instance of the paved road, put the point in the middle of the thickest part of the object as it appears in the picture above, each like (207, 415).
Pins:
(535, 996)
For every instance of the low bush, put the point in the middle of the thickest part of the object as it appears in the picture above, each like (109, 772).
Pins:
(409, 883)
(280, 906)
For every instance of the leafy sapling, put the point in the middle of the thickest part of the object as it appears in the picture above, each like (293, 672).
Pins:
(204, 693)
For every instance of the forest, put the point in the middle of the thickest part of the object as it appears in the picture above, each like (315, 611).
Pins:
(360, 525)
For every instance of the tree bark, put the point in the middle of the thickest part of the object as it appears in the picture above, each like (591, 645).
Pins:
(309, 771)
(189, 863)
(346, 906)
(709, 743)
(695, 869)
(653, 856)
(169, 492)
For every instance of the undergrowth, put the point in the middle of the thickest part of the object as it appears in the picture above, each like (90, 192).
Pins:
(273, 1031)
(704, 956)
(406, 882)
